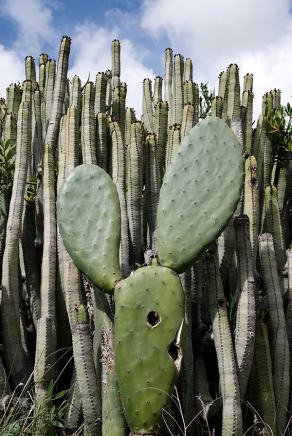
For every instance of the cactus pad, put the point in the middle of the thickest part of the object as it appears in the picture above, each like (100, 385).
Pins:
(199, 194)
(148, 325)
(89, 222)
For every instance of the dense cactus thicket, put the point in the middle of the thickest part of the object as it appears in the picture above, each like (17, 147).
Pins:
(145, 265)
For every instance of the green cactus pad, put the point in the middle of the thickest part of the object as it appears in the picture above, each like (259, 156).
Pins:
(199, 194)
(89, 222)
(148, 325)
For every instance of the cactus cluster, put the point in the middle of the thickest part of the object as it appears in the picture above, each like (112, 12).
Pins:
(143, 258)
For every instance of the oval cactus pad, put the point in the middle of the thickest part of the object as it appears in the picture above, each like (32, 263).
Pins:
(89, 221)
(148, 331)
(200, 191)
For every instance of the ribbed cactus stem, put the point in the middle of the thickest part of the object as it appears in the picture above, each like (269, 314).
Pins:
(113, 423)
(264, 397)
(86, 376)
(72, 139)
(160, 130)
(62, 146)
(2, 114)
(13, 99)
(233, 102)
(59, 92)
(277, 329)
(43, 58)
(231, 419)
(88, 128)
(48, 284)
(173, 141)
(73, 411)
(46, 330)
(147, 106)
(71, 276)
(77, 313)
(48, 281)
(31, 260)
(251, 202)
(130, 119)
(267, 103)
(116, 63)
(108, 98)
(75, 95)
(245, 314)
(187, 376)
(178, 96)
(37, 134)
(203, 398)
(134, 190)
(10, 128)
(119, 178)
(188, 119)
(27, 96)
(66, 102)
(189, 97)
(27, 89)
(248, 82)
(39, 216)
(100, 93)
(42, 75)
(168, 78)
(157, 93)
(273, 225)
(152, 187)
(281, 182)
(276, 93)
(188, 70)
(16, 355)
(268, 162)
(246, 117)
(217, 107)
(222, 84)
(102, 135)
(119, 106)
(48, 94)
(44, 367)
(196, 103)
(258, 152)
(30, 73)
(5, 197)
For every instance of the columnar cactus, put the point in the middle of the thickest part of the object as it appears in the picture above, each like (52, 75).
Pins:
(149, 311)
(16, 354)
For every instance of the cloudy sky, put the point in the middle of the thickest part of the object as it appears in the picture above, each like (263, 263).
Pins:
(255, 34)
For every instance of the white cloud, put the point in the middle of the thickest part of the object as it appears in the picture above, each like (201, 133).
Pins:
(34, 21)
(256, 35)
(11, 71)
(91, 53)
(272, 68)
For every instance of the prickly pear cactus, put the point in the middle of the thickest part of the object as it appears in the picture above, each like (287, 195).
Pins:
(148, 327)
(150, 302)
(89, 222)
(199, 193)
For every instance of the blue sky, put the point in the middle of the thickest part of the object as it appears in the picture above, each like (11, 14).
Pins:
(255, 34)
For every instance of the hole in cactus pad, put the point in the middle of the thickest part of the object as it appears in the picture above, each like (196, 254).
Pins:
(174, 349)
(153, 319)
